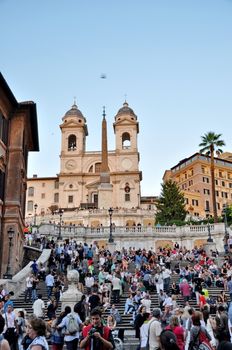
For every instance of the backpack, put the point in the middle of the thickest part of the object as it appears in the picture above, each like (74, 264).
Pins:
(72, 325)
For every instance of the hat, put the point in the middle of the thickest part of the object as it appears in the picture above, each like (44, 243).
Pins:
(156, 312)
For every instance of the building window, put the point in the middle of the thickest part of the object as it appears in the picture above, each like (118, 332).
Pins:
(126, 140)
(224, 195)
(230, 185)
(218, 206)
(216, 182)
(220, 174)
(3, 129)
(97, 167)
(42, 195)
(205, 179)
(186, 201)
(195, 202)
(190, 182)
(203, 170)
(2, 184)
(30, 206)
(217, 193)
(223, 183)
(43, 184)
(127, 197)
(56, 185)
(206, 191)
(206, 205)
(31, 191)
(72, 143)
(56, 197)
(70, 199)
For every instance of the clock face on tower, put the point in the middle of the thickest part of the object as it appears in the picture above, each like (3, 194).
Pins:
(70, 164)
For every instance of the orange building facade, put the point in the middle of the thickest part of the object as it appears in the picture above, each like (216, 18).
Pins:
(193, 178)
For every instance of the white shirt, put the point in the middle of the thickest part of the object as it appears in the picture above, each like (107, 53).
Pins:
(38, 308)
(116, 283)
(10, 316)
(29, 282)
(154, 333)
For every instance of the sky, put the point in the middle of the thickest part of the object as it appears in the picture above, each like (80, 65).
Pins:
(172, 59)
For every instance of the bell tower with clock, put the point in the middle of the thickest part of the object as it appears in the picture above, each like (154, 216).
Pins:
(73, 133)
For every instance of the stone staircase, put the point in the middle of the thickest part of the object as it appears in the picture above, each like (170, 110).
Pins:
(127, 325)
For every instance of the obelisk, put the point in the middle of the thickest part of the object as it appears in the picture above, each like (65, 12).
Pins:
(105, 189)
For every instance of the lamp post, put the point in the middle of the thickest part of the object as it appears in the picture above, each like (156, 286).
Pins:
(224, 213)
(111, 240)
(60, 212)
(209, 239)
(35, 208)
(8, 274)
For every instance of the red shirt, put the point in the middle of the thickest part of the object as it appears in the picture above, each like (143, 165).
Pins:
(179, 333)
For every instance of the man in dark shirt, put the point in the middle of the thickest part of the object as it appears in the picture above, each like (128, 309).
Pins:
(94, 300)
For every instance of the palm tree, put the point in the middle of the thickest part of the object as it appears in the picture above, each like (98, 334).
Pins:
(210, 144)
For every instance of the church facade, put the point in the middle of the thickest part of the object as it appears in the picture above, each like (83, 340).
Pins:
(93, 180)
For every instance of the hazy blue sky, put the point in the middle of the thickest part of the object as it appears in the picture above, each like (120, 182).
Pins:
(172, 58)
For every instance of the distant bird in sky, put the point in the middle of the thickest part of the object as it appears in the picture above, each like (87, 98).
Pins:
(103, 76)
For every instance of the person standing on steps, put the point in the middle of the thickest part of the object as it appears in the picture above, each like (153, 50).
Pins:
(39, 307)
(96, 336)
(28, 291)
(49, 283)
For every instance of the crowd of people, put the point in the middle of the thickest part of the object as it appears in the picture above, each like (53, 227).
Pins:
(187, 316)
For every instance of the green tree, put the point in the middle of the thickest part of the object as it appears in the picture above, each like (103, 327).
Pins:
(171, 204)
(210, 144)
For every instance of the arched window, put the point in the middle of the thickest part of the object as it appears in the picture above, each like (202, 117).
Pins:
(91, 169)
(97, 167)
(72, 143)
(126, 140)
(127, 192)
(30, 206)
(31, 191)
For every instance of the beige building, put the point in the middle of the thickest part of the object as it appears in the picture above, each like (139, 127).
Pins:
(94, 180)
(193, 177)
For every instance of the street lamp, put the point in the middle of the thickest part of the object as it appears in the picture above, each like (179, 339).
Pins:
(60, 212)
(35, 207)
(8, 274)
(224, 213)
(111, 240)
(209, 239)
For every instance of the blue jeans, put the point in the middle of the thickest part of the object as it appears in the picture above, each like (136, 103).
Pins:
(34, 295)
(49, 291)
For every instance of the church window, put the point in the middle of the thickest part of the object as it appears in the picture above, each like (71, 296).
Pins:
(56, 197)
(30, 206)
(72, 143)
(31, 191)
(127, 192)
(97, 167)
(79, 120)
(70, 199)
(126, 140)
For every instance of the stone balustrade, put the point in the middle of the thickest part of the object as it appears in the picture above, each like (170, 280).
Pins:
(141, 237)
